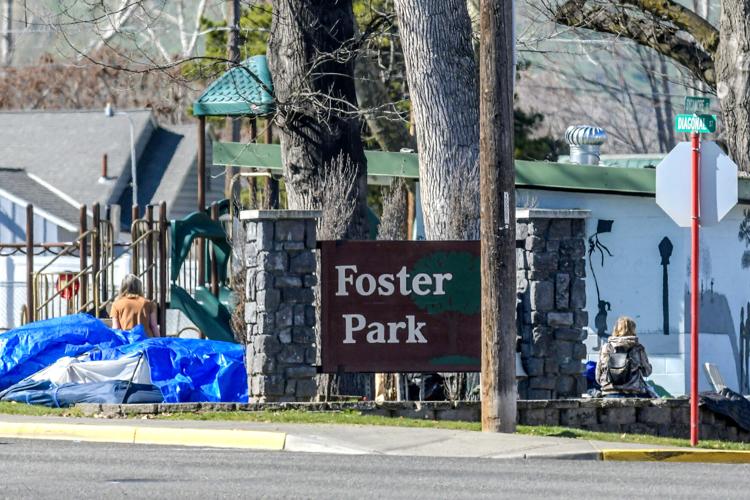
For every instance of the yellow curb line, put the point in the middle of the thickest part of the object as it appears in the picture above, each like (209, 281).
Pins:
(218, 438)
(700, 456)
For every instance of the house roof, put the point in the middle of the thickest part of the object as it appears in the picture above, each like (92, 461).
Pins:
(244, 90)
(167, 171)
(61, 151)
(64, 149)
(16, 184)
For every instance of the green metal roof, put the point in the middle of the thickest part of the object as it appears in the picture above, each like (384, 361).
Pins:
(625, 160)
(570, 177)
(379, 163)
(529, 174)
(244, 90)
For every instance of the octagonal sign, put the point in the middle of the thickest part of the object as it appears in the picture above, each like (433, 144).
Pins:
(718, 184)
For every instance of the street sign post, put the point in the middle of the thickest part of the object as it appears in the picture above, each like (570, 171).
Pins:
(703, 124)
(703, 200)
(694, 250)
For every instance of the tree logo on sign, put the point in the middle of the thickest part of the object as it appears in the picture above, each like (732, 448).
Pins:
(462, 291)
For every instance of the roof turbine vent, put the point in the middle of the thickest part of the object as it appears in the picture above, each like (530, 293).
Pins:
(585, 142)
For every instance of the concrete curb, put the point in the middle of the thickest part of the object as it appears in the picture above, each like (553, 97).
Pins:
(695, 456)
(570, 455)
(215, 438)
(279, 441)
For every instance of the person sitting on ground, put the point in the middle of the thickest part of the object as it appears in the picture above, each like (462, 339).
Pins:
(131, 308)
(623, 363)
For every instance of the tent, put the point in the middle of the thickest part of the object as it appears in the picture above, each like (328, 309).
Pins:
(32, 347)
(102, 365)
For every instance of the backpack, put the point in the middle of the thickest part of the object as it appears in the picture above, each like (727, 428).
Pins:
(619, 366)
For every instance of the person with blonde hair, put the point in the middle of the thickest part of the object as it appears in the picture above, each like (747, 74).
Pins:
(131, 308)
(623, 363)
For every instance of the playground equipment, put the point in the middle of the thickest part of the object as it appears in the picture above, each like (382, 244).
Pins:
(208, 309)
(55, 289)
(164, 254)
(93, 287)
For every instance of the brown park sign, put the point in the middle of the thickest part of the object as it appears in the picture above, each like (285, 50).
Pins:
(400, 306)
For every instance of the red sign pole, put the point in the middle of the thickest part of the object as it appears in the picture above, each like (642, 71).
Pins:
(694, 291)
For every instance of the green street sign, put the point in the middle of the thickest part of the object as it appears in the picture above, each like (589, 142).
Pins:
(703, 124)
(697, 105)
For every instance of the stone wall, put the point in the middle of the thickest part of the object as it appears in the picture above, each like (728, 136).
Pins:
(280, 314)
(550, 249)
(279, 304)
(657, 417)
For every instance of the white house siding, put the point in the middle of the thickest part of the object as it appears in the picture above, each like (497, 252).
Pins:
(631, 281)
(13, 263)
(13, 224)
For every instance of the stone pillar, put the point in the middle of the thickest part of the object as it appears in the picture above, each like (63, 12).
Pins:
(550, 250)
(279, 304)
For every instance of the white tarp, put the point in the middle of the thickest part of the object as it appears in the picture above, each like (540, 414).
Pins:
(72, 370)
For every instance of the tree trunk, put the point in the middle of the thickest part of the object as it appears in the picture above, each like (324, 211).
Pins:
(317, 116)
(700, 7)
(732, 77)
(442, 76)
(633, 110)
(317, 106)
(649, 65)
(233, 54)
(6, 35)
(667, 99)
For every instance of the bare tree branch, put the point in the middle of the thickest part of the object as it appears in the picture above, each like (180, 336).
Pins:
(644, 28)
(685, 19)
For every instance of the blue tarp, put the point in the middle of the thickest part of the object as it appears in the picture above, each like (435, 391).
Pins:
(30, 348)
(61, 396)
(191, 370)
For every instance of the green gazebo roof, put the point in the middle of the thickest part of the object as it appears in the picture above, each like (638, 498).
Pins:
(244, 90)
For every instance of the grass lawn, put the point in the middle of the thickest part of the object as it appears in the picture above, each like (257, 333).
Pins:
(12, 408)
(354, 418)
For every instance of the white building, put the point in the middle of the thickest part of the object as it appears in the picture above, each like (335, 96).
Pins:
(638, 264)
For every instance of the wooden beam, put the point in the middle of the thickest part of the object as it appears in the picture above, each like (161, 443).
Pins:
(498, 219)
(31, 308)
(163, 261)
(96, 256)
(83, 257)
(201, 194)
(201, 163)
(150, 253)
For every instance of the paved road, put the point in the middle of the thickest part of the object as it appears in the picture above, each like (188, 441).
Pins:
(59, 469)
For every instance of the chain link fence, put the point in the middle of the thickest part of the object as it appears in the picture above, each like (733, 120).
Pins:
(12, 302)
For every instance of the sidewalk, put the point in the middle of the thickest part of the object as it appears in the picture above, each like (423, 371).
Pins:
(344, 439)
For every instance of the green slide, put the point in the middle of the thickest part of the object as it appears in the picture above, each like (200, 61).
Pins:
(212, 315)
(205, 311)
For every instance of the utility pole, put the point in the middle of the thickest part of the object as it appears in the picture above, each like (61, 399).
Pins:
(233, 54)
(498, 218)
